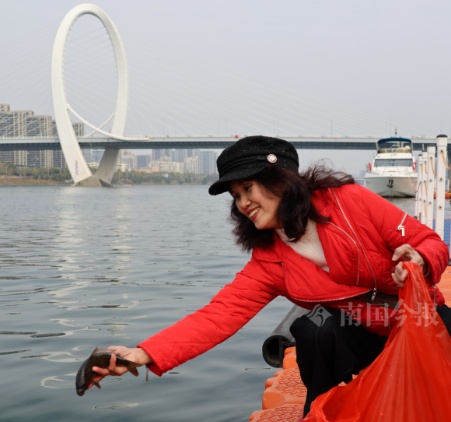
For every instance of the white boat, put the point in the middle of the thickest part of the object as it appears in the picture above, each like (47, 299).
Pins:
(392, 173)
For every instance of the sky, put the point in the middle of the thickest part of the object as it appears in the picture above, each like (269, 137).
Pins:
(353, 63)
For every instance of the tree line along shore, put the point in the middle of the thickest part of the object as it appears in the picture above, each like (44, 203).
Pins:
(11, 174)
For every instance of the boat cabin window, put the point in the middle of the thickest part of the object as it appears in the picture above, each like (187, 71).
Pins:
(390, 162)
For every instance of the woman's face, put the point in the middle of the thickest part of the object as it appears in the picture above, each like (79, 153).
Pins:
(256, 203)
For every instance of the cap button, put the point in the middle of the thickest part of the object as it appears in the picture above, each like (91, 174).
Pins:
(271, 158)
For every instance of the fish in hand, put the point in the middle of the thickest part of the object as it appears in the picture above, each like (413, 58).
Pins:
(100, 358)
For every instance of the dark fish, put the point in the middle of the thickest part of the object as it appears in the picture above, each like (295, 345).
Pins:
(100, 358)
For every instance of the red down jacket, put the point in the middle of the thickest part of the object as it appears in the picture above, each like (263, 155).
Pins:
(358, 243)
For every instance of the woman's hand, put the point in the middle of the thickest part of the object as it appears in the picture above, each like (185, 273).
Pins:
(405, 253)
(136, 355)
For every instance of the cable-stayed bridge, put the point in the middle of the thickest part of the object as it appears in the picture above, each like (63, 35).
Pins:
(262, 116)
(197, 142)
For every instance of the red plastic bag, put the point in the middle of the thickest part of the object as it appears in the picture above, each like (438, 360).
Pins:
(410, 380)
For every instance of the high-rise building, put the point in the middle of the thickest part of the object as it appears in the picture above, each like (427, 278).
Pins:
(24, 123)
(40, 158)
(41, 126)
(59, 161)
(128, 159)
(93, 156)
(143, 161)
(19, 158)
(13, 123)
(192, 164)
(38, 125)
(79, 129)
(158, 154)
(179, 155)
(207, 162)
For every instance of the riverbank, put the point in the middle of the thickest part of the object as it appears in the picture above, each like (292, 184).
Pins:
(30, 181)
(27, 181)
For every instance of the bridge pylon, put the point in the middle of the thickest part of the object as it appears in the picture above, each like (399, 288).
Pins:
(76, 163)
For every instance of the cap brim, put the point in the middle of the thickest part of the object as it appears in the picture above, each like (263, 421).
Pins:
(222, 185)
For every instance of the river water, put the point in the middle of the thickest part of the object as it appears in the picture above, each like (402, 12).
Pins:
(81, 268)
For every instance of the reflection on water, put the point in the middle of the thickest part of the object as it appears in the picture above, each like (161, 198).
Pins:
(82, 268)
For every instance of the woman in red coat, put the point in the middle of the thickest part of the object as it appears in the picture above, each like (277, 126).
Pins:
(323, 242)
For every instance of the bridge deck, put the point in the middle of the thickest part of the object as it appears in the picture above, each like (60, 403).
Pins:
(199, 142)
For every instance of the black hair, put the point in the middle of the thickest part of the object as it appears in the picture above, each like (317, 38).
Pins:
(295, 208)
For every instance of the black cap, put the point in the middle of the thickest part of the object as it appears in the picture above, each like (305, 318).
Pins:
(249, 156)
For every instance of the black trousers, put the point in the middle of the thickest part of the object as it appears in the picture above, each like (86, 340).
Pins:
(329, 352)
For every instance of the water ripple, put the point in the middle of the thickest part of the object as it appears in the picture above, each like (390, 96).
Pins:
(14, 352)
(116, 406)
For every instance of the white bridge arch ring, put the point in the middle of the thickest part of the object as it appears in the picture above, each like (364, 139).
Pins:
(76, 163)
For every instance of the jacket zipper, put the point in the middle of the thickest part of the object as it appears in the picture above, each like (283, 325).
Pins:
(401, 226)
(356, 247)
(358, 241)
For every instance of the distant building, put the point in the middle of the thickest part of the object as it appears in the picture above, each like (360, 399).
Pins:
(192, 165)
(79, 129)
(59, 161)
(13, 123)
(128, 159)
(166, 165)
(40, 158)
(194, 160)
(143, 161)
(24, 123)
(38, 125)
(19, 158)
(158, 154)
(93, 155)
(175, 154)
(179, 155)
(207, 162)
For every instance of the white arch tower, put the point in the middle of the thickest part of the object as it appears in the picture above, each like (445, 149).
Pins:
(79, 170)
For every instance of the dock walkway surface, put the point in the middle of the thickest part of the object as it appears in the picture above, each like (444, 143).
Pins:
(284, 395)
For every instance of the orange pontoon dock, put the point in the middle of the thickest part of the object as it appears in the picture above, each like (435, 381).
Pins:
(284, 395)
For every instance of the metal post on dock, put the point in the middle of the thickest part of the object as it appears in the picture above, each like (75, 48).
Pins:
(430, 186)
(423, 190)
(440, 190)
(419, 194)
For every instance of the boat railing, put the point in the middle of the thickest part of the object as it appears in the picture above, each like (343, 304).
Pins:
(394, 171)
(404, 150)
(393, 162)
